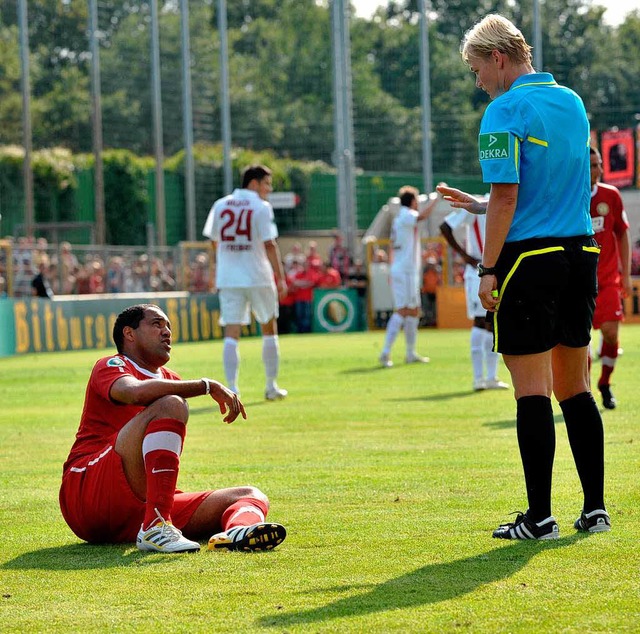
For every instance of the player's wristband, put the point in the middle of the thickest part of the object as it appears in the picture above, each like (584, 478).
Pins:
(207, 386)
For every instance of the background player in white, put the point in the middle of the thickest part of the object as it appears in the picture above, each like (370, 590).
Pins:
(483, 360)
(406, 267)
(249, 272)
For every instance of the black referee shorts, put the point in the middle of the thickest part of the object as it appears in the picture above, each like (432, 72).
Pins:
(548, 289)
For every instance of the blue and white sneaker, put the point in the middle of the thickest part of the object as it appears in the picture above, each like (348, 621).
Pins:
(525, 528)
(262, 536)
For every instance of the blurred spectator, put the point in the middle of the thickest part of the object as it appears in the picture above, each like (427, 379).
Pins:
(140, 274)
(82, 280)
(199, 274)
(358, 279)
(40, 252)
(96, 276)
(380, 255)
(115, 282)
(23, 267)
(40, 286)
(313, 257)
(430, 283)
(339, 256)
(635, 258)
(294, 256)
(159, 279)
(328, 277)
(53, 277)
(68, 264)
(286, 317)
(304, 281)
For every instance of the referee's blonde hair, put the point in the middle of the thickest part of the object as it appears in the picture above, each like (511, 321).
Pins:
(495, 32)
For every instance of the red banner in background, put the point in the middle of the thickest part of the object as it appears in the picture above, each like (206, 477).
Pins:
(618, 157)
(638, 156)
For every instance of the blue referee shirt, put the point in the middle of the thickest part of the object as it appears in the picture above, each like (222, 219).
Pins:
(537, 135)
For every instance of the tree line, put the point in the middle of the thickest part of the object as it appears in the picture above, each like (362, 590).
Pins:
(281, 75)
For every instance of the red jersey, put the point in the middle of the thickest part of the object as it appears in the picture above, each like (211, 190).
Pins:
(306, 280)
(329, 279)
(610, 222)
(102, 418)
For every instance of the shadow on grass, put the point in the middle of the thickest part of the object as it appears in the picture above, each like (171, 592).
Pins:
(445, 396)
(367, 369)
(213, 407)
(83, 557)
(511, 422)
(429, 584)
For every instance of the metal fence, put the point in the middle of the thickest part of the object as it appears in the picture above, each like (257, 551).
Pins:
(123, 86)
(97, 269)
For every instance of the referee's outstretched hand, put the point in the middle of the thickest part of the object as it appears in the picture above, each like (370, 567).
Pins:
(461, 200)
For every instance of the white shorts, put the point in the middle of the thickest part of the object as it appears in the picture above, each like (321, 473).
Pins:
(471, 288)
(236, 304)
(405, 288)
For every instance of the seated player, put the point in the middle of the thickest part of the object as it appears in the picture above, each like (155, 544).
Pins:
(119, 481)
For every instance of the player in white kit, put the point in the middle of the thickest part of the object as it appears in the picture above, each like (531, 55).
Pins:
(483, 360)
(249, 272)
(406, 272)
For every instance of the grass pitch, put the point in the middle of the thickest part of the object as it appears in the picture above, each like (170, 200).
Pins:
(388, 481)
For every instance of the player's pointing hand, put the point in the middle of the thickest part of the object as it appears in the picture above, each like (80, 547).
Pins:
(228, 402)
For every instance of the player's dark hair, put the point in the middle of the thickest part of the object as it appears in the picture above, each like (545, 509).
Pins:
(131, 316)
(254, 172)
(407, 195)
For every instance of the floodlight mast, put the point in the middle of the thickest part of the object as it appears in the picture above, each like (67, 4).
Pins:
(344, 154)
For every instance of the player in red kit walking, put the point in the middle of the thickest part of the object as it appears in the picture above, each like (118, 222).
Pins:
(611, 228)
(119, 481)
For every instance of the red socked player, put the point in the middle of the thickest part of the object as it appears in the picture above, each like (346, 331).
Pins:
(611, 230)
(119, 481)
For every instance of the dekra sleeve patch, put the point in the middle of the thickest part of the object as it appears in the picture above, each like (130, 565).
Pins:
(494, 145)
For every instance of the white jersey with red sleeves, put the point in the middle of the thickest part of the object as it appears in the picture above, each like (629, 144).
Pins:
(240, 224)
(610, 223)
(475, 229)
(405, 242)
(101, 416)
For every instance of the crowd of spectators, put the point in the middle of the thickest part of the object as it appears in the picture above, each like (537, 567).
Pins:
(306, 271)
(43, 269)
(37, 264)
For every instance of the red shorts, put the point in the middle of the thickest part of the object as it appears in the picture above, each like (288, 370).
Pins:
(608, 306)
(100, 507)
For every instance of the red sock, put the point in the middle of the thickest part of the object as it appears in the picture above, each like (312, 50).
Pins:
(161, 449)
(245, 512)
(609, 354)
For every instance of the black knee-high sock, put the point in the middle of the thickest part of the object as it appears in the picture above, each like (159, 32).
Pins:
(537, 442)
(586, 437)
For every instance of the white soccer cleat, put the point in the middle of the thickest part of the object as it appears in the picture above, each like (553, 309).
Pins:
(164, 537)
(479, 385)
(495, 384)
(416, 358)
(275, 394)
(385, 361)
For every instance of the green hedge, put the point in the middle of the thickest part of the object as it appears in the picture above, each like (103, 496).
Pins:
(63, 191)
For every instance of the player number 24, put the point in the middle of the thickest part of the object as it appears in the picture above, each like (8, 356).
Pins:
(235, 224)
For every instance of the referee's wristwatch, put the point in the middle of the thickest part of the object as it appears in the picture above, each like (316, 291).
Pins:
(486, 270)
